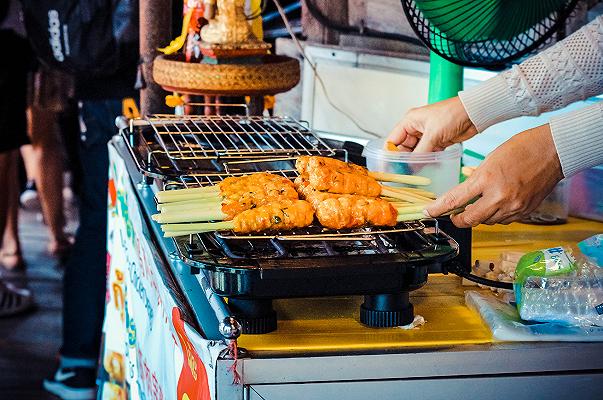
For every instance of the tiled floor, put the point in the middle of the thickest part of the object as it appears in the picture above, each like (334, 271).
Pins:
(29, 343)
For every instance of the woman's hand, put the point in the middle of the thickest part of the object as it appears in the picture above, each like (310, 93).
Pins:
(433, 127)
(509, 184)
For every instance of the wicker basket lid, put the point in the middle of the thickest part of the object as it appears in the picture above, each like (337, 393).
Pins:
(273, 74)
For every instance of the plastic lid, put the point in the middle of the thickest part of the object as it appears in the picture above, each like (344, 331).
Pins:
(375, 149)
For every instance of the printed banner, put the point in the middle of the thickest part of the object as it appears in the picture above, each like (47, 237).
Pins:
(148, 351)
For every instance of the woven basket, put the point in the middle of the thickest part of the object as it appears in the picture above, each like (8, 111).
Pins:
(275, 74)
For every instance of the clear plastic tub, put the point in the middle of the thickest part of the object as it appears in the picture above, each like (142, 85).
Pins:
(442, 167)
(554, 209)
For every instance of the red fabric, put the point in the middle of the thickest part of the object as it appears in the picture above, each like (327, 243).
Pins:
(192, 383)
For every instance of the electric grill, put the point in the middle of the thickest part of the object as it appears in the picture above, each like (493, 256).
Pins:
(383, 264)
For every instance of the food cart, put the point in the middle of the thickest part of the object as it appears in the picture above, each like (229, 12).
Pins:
(364, 314)
(167, 334)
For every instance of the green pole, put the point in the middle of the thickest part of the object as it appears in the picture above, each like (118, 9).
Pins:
(445, 81)
(445, 78)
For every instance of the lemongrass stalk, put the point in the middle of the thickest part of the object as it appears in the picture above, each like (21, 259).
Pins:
(410, 217)
(399, 178)
(167, 197)
(182, 205)
(400, 203)
(390, 199)
(386, 191)
(172, 234)
(409, 195)
(214, 214)
(420, 192)
(198, 189)
(410, 209)
(198, 227)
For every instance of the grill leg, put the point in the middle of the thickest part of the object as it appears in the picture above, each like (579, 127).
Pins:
(255, 316)
(386, 310)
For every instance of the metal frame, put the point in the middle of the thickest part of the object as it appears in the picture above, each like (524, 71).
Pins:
(439, 372)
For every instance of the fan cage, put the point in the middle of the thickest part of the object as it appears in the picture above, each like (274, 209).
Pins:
(492, 54)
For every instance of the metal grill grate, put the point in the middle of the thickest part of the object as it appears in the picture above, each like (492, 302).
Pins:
(197, 150)
(196, 145)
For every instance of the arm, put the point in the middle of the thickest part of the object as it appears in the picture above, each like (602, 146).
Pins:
(569, 71)
(514, 179)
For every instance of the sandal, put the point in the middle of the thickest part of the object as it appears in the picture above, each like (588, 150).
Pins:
(13, 300)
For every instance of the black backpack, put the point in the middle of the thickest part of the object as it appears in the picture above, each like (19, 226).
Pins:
(90, 38)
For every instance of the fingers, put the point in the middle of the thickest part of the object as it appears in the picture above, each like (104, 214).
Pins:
(474, 214)
(410, 142)
(457, 197)
(425, 145)
(401, 133)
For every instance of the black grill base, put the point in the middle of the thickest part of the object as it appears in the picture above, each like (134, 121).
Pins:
(255, 316)
(386, 310)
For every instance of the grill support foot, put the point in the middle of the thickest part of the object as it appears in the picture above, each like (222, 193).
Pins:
(255, 316)
(386, 310)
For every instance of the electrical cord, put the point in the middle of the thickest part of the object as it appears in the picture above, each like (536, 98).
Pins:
(355, 30)
(318, 77)
(456, 269)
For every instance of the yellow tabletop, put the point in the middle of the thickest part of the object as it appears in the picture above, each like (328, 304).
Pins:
(331, 324)
(490, 241)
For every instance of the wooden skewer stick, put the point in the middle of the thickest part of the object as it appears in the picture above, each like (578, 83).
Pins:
(399, 178)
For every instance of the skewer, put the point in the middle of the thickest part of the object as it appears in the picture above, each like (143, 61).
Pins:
(415, 180)
(192, 215)
(167, 197)
(400, 195)
(176, 205)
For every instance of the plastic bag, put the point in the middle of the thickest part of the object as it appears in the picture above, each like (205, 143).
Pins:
(551, 286)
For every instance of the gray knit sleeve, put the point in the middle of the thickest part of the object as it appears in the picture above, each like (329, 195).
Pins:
(569, 71)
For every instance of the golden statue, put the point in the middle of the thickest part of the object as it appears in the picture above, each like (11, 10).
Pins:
(229, 26)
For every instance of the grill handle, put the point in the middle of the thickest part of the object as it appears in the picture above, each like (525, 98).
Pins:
(457, 268)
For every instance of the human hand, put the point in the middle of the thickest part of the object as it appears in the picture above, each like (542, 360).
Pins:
(433, 127)
(510, 183)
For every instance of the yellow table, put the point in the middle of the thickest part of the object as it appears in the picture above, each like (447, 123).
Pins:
(490, 241)
(331, 324)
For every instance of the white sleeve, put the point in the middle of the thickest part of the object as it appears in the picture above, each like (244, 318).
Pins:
(569, 71)
(578, 138)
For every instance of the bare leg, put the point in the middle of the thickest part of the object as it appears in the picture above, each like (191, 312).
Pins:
(10, 256)
(48, 174)
(30, 160)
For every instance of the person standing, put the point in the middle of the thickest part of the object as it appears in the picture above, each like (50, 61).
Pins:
(13, 134)
(84, 284)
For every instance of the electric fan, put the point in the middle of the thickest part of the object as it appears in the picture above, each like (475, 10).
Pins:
(480, 33)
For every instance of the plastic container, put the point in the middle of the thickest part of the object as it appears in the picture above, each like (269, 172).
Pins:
(442, 167)
(586, 199)
(554, 209)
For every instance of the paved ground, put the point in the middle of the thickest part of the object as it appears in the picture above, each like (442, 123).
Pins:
(29, 343)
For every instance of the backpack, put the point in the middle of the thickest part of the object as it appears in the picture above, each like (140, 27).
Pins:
(87, 38)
